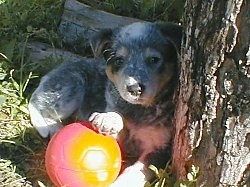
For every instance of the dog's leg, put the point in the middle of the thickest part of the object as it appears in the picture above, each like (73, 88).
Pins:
(57, 97)
(45, 126)
(132, 176)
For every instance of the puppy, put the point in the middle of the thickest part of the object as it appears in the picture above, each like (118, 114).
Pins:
(127, 91)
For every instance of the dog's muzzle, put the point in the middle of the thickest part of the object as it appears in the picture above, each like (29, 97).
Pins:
(134, 88)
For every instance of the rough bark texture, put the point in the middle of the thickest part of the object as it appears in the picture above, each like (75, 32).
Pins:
(213, 112)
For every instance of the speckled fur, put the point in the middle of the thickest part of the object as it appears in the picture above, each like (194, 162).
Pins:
(136, 93)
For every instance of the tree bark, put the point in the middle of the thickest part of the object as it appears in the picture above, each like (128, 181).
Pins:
(213, 112)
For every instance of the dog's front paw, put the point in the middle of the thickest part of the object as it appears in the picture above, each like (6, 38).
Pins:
(109, 123)
(46, 127)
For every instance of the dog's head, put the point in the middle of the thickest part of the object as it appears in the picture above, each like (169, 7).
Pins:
(142, 59)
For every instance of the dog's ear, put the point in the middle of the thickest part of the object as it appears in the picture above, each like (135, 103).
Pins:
(99, 41)
(172, 32)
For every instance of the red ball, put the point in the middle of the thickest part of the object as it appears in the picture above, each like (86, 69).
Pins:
(77, 156)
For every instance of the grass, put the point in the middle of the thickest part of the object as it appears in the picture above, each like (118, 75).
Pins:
(21, 148)
(150, 10)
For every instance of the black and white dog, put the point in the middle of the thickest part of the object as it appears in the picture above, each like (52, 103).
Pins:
(127, 90)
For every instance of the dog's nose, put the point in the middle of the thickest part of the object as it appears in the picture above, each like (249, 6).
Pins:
(135, 89)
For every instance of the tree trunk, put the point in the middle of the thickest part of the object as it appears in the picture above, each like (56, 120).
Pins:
(213, 110)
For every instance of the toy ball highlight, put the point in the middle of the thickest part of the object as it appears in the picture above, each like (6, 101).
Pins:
(77, 156)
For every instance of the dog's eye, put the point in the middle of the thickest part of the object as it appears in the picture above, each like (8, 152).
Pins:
(153, 60)
(118, 62)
